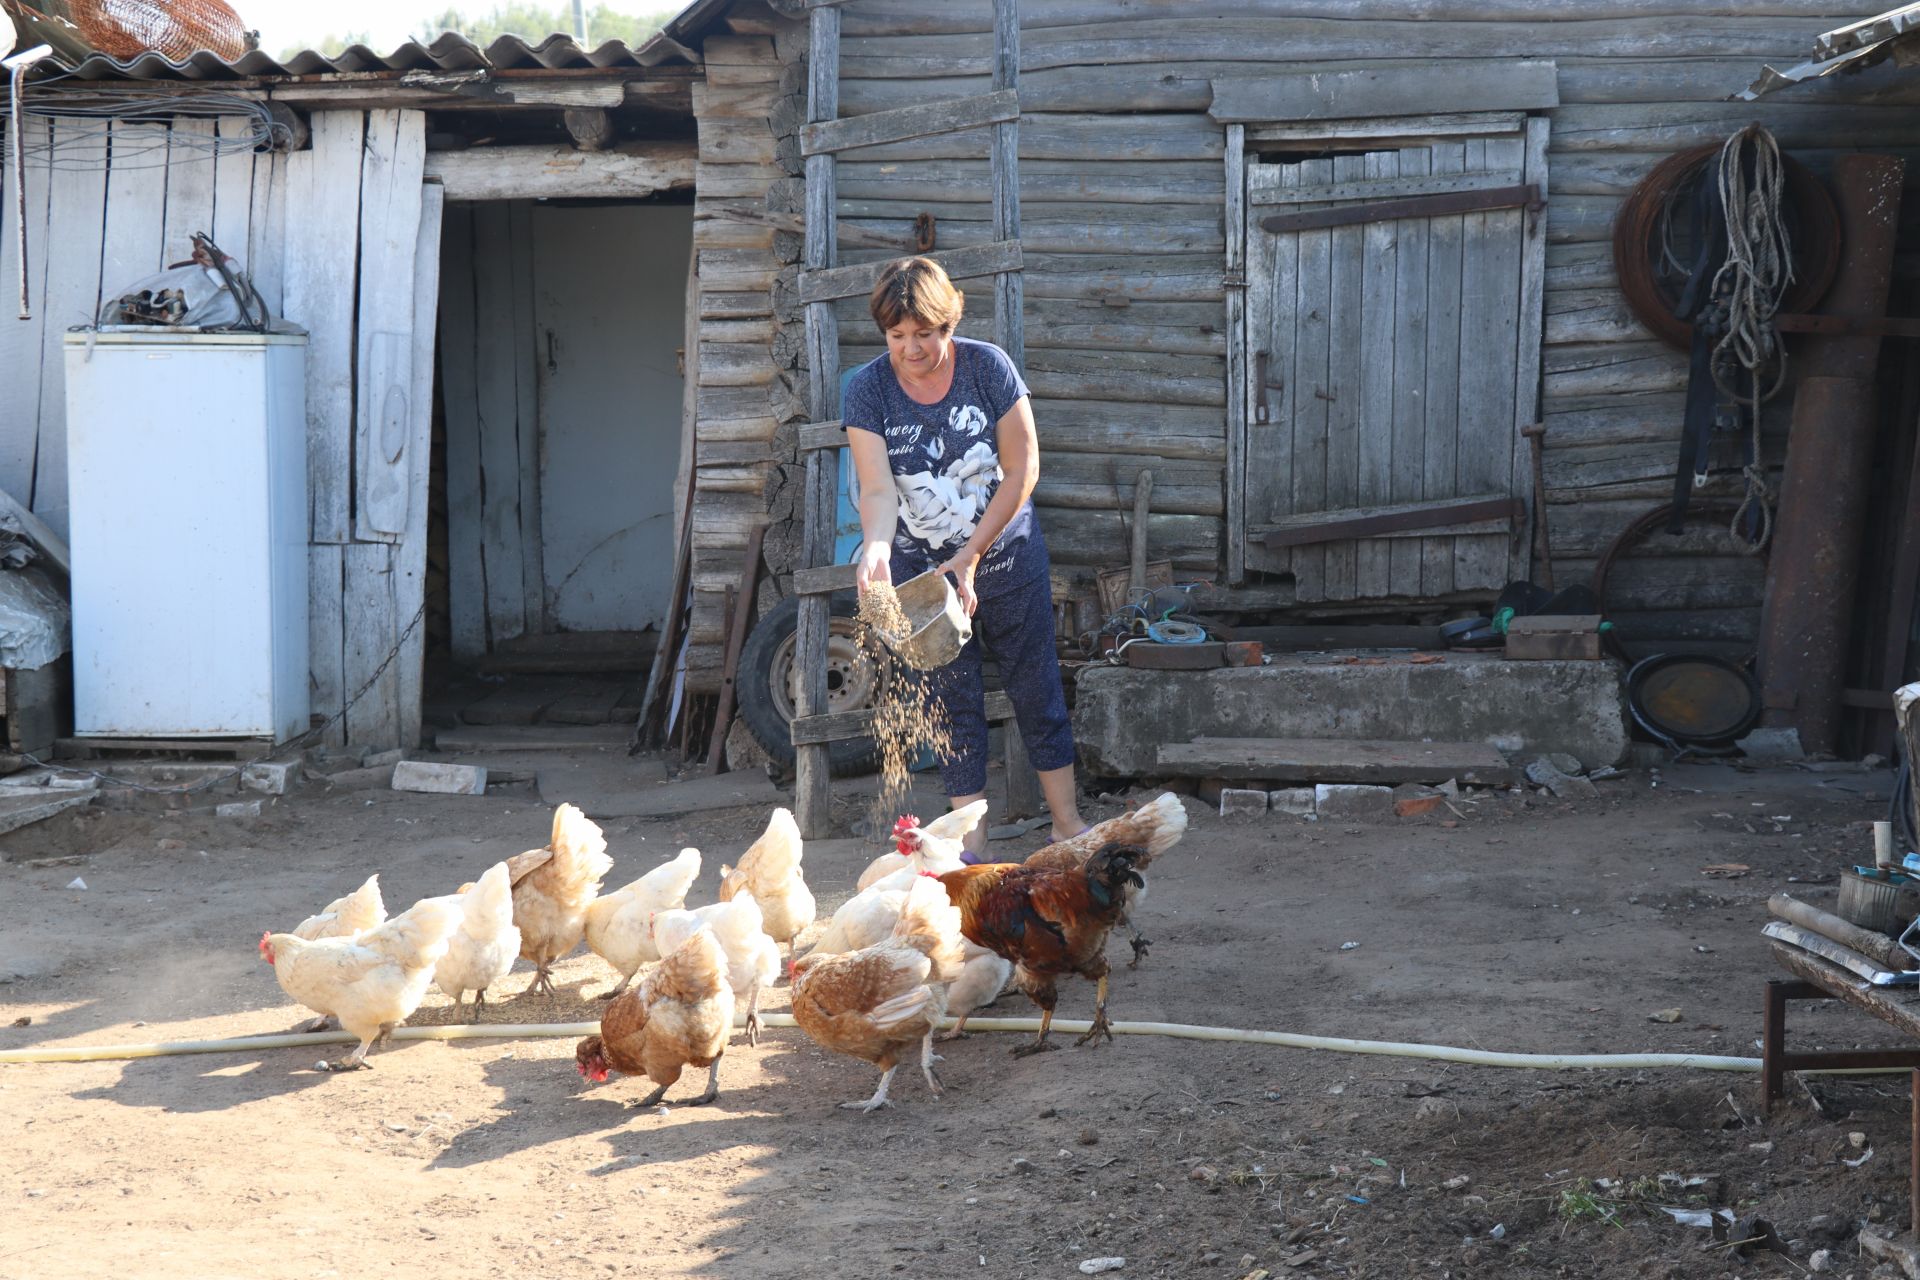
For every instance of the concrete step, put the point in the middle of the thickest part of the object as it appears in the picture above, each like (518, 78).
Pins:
(1123, 718)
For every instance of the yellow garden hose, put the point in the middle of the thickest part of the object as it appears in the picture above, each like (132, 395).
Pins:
(1065, 1026)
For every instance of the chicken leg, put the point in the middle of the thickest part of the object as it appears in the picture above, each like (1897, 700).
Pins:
(1140, 946)
(1040, 1044)
(927, 1058)
(1101, 1027)
(357, 1060)
(753, 1016)
(616, 989)
(879, 1098)
(713, 1085)
(542, 980)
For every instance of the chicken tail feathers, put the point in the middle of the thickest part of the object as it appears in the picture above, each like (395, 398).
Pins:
(930, 924)
(696, 970)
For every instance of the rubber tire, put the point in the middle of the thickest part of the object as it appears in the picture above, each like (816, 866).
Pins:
(753, 691)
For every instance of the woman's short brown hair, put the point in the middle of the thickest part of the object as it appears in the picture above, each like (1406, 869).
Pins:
(916, 289)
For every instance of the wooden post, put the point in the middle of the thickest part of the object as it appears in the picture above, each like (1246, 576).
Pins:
(1023, 784)
(736, 639)
(1009, 327)
(812, 784)
(1237, 398)
(1906, 715)
(1137, 564)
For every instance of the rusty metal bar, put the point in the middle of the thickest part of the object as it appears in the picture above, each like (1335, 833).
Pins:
(1526, 196)
(1815, 563)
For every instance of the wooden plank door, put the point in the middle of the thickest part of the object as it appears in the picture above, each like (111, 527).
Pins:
(1392, 357)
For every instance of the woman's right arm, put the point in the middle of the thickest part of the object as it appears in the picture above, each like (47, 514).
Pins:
(879, 506)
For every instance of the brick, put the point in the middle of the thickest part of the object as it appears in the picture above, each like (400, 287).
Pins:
(1238, 802)
(1417, 806)
(239, 809)
(270, 777)
(1337, 801)
(1295, 800)
(444, 779)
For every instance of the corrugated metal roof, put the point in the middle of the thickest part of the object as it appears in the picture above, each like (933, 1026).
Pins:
(451, 52)
(1853, 47)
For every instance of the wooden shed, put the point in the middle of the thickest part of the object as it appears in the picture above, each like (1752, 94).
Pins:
(1288, 388)
(491, 253)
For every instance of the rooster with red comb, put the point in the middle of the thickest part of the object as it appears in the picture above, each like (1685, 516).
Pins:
(935, 847)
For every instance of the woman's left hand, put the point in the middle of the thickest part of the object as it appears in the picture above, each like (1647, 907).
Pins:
(962, 567)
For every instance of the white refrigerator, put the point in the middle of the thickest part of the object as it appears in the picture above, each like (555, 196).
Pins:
(187, 489)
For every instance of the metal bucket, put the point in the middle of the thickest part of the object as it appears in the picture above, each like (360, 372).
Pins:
(938, 626)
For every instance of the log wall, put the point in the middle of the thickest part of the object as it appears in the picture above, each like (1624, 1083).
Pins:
(1122, 196)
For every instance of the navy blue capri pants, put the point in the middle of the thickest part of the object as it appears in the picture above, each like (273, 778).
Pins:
(1015, 628)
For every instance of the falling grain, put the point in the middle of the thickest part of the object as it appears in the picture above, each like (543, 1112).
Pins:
(907, 718)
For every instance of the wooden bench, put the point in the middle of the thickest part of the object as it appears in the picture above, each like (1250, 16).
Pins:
(1818, 979)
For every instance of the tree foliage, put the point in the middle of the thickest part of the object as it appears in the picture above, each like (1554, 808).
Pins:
(534, 22)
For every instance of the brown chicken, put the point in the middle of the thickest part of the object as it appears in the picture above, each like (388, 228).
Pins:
(1153, 828)
(877, 1003)
(552, 888)
(1049, 922)
(680, 1015)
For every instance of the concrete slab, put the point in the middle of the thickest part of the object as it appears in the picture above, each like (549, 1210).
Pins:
(1122, 716)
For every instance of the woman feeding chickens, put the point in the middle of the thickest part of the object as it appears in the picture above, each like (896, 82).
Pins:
(946, 454)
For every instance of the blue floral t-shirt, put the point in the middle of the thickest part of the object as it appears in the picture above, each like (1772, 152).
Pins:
(946, 464)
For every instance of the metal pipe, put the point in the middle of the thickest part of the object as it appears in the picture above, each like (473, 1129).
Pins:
(17, 67)
(1814, 566)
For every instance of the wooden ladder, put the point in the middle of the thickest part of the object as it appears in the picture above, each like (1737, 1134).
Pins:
(821, 282)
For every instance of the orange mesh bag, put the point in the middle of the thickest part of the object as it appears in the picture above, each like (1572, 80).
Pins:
(171, 28)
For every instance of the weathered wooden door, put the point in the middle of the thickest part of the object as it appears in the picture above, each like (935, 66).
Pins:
(1393, 334)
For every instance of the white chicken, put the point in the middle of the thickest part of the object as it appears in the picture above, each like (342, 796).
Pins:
(935, 847)
(482, 950)
(870, 916)
(372, 982)
(753, 959)
(620, 924)
(552, 888)
(770, 872)
(346, 916)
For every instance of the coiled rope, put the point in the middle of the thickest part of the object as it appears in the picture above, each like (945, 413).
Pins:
(1746, 293)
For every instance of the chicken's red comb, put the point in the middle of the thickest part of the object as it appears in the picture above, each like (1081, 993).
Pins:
(905, 823)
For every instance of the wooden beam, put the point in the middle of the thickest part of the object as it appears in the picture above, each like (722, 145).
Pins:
(1446, 125)
(813, 790)
(796, 224)
(1009, 287)
(1237, 398)
(824, 580)
(841, 725)
(451, 93)
(822, 435)
(902, 123)
(633, 171)
(1336, 760)
(1367, 522)
(824, 285)
(1452, 85)
(1262, 190)
(1527, 196)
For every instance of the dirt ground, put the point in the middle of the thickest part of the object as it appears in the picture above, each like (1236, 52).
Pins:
(1523, 924)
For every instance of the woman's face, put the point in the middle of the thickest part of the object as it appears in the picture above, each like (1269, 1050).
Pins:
(918, 347)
